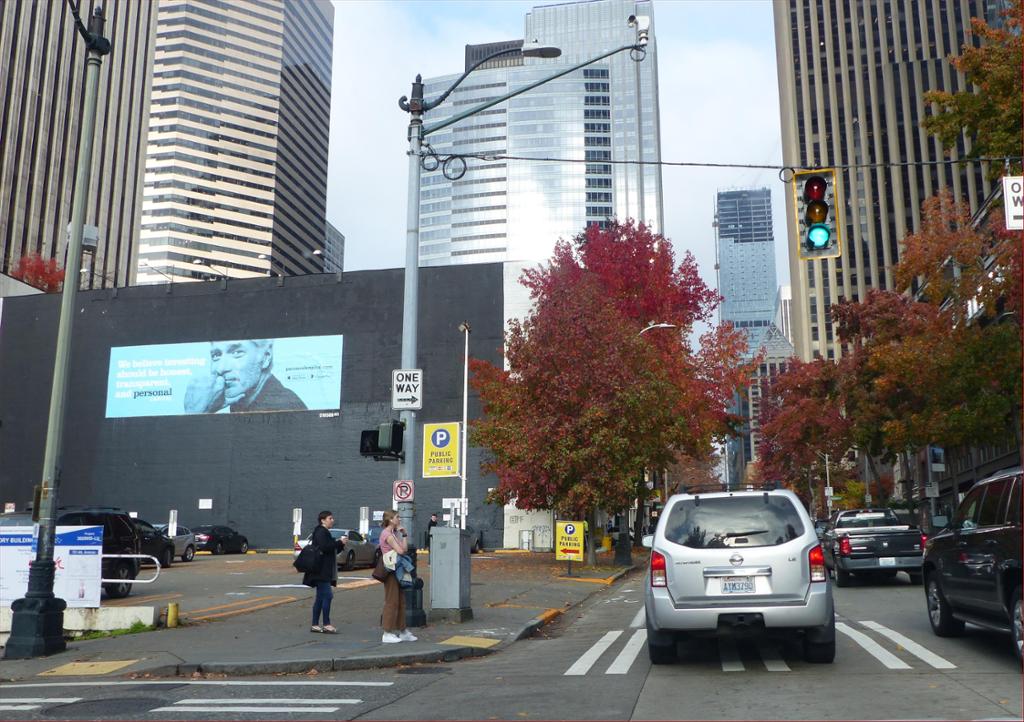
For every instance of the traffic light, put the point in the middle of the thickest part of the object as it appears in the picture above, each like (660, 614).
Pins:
(384, 442)
(818, 220)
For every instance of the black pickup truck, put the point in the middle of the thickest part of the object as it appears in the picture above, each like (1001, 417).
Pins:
(872, 542)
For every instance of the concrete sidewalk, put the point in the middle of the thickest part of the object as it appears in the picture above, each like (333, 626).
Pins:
(512, 596)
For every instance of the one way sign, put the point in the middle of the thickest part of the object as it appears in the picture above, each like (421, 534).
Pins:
(407, 389)
(1013, 202)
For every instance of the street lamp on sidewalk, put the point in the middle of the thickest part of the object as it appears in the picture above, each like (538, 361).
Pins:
(37, 620)
(463, 502)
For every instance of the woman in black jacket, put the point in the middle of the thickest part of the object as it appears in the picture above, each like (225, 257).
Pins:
(325, 575)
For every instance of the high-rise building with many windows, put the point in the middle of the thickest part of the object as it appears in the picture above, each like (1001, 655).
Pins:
(597, 122)
(745, 252)
(42, 66)
(852, 78)
(236, 162)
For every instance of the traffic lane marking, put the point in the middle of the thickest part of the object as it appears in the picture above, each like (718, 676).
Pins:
(200, 683)
(911, 646)
(229, 604)
(277, 601)
(233, 708)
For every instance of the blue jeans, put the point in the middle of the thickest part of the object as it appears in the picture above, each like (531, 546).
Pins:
(324, 595)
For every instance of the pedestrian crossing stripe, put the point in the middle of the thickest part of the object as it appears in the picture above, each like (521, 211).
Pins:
(732, 661)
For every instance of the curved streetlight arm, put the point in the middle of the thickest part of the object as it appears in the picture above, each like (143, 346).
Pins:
(428, 129)
(434, 103)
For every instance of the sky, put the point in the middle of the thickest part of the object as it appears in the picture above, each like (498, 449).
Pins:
(718, 93)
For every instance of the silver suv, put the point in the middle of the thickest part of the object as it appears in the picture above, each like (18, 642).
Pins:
(737, 561)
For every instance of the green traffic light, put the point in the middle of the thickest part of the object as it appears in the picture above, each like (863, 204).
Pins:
(819, 237)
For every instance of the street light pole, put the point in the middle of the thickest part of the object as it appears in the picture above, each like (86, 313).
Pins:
(37, 622)
(464, 512)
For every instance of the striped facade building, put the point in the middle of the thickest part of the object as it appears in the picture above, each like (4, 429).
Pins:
(236, 162)
(42, 67)
(852, 78)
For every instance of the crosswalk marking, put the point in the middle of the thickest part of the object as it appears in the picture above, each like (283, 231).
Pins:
(911, 646)
(269, 700)
(640, 619)
(24, 704)
(584, 663)
(872, 647)
(245, 708)
(773, 662)
(628, 654)
(729, 655)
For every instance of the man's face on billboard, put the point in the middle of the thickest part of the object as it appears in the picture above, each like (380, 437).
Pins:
(240, 364)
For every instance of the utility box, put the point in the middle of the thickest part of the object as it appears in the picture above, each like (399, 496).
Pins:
(449, 575)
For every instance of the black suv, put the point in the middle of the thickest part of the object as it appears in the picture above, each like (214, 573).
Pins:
(972, 568)
(155, 543)
(119, 537)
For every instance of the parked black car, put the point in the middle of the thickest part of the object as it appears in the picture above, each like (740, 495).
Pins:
(154, 542)
(972, 567)
(219, 539)
(120, 536)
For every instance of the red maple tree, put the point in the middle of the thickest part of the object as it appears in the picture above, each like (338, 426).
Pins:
(39, 272)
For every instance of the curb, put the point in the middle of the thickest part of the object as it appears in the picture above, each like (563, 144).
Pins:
(369, 661)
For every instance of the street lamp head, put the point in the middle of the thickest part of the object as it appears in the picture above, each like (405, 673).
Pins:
(464, 327)
(655, 325)
(536, 50)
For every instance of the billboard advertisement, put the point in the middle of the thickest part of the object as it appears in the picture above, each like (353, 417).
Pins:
(216, 377)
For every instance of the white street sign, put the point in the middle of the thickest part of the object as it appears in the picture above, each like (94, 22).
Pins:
(1013, 202)
(403, 490)
(828, 491)
(407, 389)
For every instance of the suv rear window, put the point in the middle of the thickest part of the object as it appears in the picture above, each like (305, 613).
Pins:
(733, 521)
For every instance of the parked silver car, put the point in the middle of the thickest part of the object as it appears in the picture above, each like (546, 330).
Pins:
(184, 542)
(359, 550)
(743, 561)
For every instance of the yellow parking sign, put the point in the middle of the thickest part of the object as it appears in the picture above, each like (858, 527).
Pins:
(569, 541)
(441, 449)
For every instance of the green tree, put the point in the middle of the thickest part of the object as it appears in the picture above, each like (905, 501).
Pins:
(990, 113)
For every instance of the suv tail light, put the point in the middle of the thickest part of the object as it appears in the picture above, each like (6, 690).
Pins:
(924, 540)
(657, 570)
(816, 557)
(844, 546)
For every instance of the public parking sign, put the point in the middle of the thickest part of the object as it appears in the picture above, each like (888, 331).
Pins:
(569, 541)
(441, 449)
(407, 389)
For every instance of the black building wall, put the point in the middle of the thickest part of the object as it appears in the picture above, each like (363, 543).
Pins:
(256, 467)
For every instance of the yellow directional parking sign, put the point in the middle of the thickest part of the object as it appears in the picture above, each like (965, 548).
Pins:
(441, 449)
(569, 541)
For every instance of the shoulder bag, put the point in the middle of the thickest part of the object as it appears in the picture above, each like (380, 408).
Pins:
(379, 572)
(308, 559)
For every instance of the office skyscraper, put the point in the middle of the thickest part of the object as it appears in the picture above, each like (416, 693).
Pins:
(852, 78)
(746, 279)
(515, 210)
(236, 164)
(42, 67)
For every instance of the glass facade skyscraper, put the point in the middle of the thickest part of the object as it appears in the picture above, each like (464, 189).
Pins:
(747, 281)
(236, 163)
(516, 209)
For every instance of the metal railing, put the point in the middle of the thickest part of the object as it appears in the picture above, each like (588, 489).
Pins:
(135, 580)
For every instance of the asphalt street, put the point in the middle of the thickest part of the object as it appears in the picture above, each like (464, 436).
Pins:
(592, 664)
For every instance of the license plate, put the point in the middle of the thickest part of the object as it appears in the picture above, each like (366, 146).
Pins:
(887, 561)
(738, 585)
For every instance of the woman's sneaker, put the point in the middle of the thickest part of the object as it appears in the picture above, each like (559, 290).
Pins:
(390, 638)
(406, 636)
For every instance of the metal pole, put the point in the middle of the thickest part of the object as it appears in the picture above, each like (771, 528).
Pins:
(641, 186)
(828, 484)
(37, 624)
(465, 428)
(414, 614)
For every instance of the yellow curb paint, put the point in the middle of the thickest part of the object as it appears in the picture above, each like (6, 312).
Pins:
(505, 605)
(358, 583)
(85, 668)
(606, 580)
(480, 642)
(548, 615)
(280, 551)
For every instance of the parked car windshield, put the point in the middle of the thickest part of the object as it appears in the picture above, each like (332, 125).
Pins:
(736, 521)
